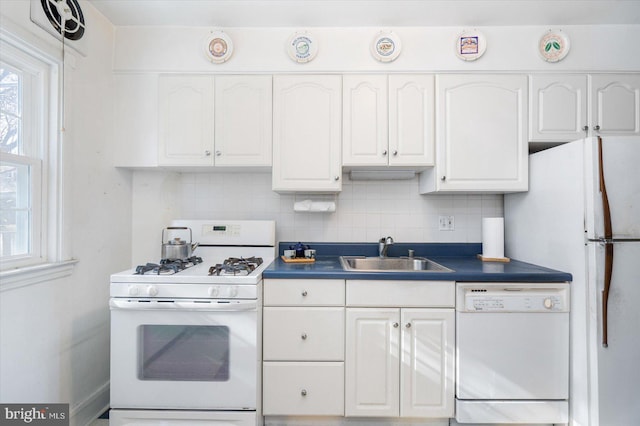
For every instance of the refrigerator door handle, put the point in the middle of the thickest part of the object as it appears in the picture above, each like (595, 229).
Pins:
(608, 236)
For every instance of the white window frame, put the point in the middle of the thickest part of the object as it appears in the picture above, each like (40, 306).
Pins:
(41, 69)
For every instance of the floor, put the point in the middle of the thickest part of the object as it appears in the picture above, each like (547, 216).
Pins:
(100, 422)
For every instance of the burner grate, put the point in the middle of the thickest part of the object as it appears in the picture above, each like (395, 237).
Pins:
(167, 266)
(236, 266)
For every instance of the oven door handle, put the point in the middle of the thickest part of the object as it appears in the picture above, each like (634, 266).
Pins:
(182, 305)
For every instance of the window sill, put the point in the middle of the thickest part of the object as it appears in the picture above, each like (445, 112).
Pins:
(22, 277)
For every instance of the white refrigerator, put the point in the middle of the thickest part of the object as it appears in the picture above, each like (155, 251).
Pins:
(563, 222)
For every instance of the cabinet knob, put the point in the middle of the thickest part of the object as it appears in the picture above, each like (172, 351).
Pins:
(303, 392)
(585, 128)
(395, 152)
(596, 128)
(336, 178)
(396, 325)
(304, 293)
(443, 178)
(218, 153)
(384, 152)
(304, 336)
(207, 153)
(408, 325)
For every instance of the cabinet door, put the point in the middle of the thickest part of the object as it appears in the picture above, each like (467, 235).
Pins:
(135, 123)
(243, 120)
(411, 120)
(372, 367)
(427, 371)
(558, 107)
(186, 120)
(307, 114)
(615, 104)
(365, 120)
(482, 135)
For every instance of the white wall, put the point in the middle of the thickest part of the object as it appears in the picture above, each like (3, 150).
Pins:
(424, 49)
(54, 335)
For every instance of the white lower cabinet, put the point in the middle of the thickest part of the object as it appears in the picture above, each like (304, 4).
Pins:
(399, 362)
(399, 350)
(303, 348)
(303, 334)
(303, 389)
(358, 348)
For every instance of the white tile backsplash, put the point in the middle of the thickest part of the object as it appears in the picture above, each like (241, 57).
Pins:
(365, 210)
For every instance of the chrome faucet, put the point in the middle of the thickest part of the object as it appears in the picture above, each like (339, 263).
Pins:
(383, 246)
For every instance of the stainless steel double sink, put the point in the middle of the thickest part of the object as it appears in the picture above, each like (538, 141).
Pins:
(390, 264)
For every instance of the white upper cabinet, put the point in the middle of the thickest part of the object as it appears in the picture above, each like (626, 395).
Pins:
(307, 117)
(243, 117)
(558, 107)
(566, 107)
(365, 139)
(388, 121)
(214, 121)
(481, 135)
(186, 120)
(411, 118)
(615, 104)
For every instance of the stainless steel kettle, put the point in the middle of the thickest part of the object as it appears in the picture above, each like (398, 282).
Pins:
(177, 248)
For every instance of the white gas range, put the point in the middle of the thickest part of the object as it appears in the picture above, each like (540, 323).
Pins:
(185, 333)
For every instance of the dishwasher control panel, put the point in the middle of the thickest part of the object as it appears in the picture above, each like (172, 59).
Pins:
(512, 298)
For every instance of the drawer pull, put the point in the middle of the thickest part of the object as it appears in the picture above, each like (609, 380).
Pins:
(304, 293)
(304, 336)
(303, 392)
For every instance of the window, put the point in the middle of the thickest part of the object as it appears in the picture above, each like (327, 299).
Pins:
(25, 141)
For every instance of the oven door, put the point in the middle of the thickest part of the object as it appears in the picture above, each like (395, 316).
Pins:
(184, 354)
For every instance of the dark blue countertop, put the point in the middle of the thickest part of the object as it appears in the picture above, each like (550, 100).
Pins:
(461, 258)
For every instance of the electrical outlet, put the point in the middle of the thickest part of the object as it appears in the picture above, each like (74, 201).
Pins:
(446, 223)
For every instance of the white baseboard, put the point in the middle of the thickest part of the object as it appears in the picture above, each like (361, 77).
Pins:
(91, 407)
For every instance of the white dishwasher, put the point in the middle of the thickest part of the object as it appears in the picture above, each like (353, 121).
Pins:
(512, 352)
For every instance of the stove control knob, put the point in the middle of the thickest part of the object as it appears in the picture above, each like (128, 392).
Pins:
(152, 290)
(233, 291)
(133, 290)
(214, 291)
(548, 303)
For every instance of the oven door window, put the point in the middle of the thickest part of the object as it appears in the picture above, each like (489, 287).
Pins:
(183, 353)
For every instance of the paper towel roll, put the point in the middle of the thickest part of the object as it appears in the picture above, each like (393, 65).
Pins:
(493, 237)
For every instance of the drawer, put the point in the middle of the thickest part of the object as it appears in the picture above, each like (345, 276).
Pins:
(303, 389)
(382, 293)
(283, 292)
(303, 334)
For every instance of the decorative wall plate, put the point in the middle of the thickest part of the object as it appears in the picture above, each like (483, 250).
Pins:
(218, 47)
(553, 46)
(302, 47)
(386, 46)
(470, 45)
